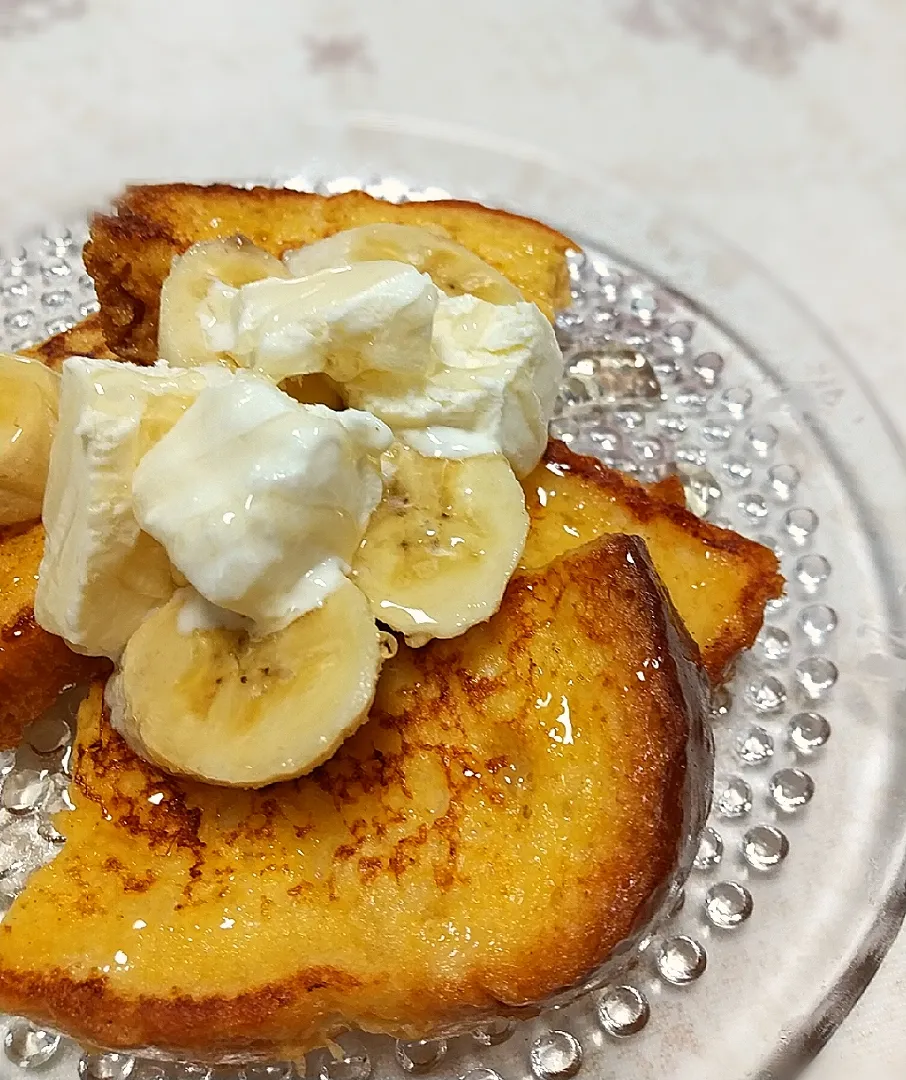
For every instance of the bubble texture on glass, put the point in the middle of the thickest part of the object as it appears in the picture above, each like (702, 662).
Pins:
(28, 1045)
(817, 622)
(710, 849)
(767, 693)
(48, 735)
(421, 1055)
(24, 790)
(681, 960)
(728, 905)
(809, 732)
(774, 644)
(811, 572)
(735, 798)
(755, 746)
(152, 1070)
(494, 1032)
(106, 1066)
(791, 789)
(721, 703)
(623, 1011)
(274, 1070)
(765, 847)
(816, 675)
(555, 1055)
(351, 1066)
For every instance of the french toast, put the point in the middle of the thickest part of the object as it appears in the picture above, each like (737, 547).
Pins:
(134, 250)
(517, 786)
(130, 252)
(669, 490)
(413, 883)
(718, 580)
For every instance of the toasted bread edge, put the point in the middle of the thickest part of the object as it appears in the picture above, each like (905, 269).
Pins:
(585, 934)
(766, 582)
(164, 220)
(86, 338)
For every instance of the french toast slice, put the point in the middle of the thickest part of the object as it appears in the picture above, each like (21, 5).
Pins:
(130, 251)
(718, 580)
(515, 786)
(35, 667)
(129, 256)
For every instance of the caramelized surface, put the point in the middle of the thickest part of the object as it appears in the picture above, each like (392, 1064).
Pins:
(718, 580)
(487, 838)
(129, 254)
(35, 667)
(669, 490)
(84, 339)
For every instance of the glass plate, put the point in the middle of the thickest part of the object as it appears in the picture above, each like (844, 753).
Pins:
(798, 886)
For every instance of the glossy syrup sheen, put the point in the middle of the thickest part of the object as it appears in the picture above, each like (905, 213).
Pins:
(718, 580)
(505, 780)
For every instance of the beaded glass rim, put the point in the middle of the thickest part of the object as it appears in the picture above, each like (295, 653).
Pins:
(667, 400)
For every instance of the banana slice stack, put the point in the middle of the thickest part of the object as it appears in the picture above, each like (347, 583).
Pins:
(221, 693)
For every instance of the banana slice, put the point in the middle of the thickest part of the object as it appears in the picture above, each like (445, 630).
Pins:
(453, 268)
(189, 306)
(29, 394)
(443, 543)
(200, 697)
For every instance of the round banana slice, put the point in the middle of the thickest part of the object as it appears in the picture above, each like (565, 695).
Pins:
(199, 696)
(443, 543)
(190, 310)
(454, 269)
(29, 393)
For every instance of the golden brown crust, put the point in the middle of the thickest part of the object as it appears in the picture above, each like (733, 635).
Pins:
(84, 339)
(669, 490)
(718, 580)
(35, 667)
(130, 251)
(455, 807)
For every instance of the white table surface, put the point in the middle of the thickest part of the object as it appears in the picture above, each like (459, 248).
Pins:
(779, 123)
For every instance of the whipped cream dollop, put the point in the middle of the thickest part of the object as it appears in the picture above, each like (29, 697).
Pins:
(489, 385)
(451, 376)
(371, 316)
(261, 502)
(100, 574)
